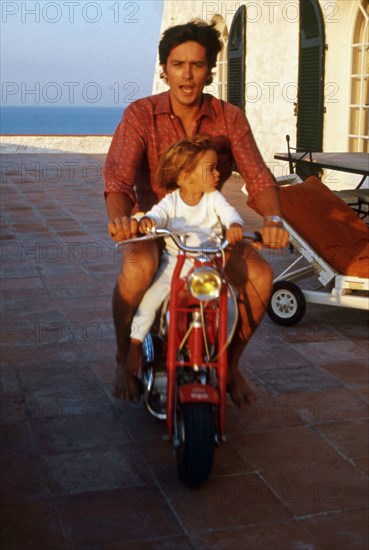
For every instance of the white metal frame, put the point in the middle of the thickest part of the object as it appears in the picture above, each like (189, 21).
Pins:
(337, 290)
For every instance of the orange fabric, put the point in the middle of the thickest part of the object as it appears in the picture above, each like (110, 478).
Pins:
(331, 227)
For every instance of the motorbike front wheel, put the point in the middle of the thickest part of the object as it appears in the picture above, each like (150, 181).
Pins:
(196, 445)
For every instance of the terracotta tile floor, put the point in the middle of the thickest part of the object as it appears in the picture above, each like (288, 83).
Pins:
(82, 471)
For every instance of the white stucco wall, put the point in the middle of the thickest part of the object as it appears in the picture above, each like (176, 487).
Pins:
(271, 76)
(272, 68)
(339, 19)
(338, 31)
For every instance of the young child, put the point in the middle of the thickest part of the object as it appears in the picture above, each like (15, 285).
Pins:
(196, 208)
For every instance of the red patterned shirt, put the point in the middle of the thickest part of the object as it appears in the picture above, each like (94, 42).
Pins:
(149, 127)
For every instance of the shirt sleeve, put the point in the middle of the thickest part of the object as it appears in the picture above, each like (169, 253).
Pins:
(125, 155)
(226, 213)
(248, 159)
(161, 212)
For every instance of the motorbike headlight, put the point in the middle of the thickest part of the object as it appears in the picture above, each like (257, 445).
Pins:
(204, 283)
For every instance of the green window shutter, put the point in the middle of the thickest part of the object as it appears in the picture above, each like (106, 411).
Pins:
(310, 98)
(236, 78)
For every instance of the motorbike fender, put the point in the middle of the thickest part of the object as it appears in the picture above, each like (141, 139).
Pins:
(197, 393)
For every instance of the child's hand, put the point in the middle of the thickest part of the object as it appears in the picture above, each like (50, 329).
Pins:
(146, 224)
(234, 233)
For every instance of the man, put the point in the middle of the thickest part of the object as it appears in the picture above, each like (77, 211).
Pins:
(187, 54)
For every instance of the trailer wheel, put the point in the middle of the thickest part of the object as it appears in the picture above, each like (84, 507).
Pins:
(287, 304)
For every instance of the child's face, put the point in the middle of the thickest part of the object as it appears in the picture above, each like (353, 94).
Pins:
(205, 177)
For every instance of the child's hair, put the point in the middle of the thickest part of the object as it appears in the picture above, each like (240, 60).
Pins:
(183, 155)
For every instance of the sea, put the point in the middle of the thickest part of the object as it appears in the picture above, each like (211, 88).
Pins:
(59, 120)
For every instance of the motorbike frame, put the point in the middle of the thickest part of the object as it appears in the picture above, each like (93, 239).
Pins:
(195, 392)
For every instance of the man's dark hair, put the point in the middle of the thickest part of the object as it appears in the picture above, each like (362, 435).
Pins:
(194, 31)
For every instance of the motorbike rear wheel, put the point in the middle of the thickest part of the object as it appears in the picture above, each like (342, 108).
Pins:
(195, 451)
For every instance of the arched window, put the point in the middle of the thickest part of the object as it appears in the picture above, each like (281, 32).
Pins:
(219, 86)
(359, 104)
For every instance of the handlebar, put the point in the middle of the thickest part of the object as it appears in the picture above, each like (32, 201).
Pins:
(205, 248)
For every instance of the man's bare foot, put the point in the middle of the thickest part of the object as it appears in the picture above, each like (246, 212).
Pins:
(240, 391)
(126, 385)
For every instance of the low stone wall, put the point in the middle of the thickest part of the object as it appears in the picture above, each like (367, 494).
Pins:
(55, 144)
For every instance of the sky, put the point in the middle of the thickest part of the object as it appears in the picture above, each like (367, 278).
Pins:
(78, 53)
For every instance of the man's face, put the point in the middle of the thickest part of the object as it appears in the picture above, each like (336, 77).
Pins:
(187, 72)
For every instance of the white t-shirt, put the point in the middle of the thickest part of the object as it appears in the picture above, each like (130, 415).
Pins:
(201, 222)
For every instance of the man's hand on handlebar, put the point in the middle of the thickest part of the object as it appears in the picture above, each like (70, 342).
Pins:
(123, 228)
(274, 236)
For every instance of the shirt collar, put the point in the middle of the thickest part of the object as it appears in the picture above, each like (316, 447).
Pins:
(163, 105)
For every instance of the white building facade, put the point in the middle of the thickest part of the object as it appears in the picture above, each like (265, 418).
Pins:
(274, 79)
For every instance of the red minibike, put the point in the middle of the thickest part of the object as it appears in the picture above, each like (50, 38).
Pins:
(184, 364)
